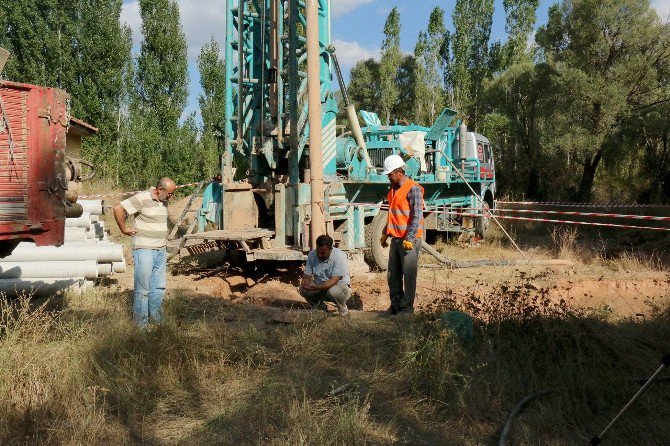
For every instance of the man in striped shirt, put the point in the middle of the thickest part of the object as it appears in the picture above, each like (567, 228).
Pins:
(149, 255)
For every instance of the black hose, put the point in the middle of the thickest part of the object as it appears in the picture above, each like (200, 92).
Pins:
(507, 428)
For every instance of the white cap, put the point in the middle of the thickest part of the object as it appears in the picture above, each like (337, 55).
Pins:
(391, 163)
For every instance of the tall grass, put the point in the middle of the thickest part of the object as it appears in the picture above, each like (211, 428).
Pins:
(80, 373)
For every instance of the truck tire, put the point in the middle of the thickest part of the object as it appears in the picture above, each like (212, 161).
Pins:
(482, 223)
(376, 255)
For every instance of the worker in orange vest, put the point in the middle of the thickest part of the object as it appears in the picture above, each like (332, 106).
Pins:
(405, 228)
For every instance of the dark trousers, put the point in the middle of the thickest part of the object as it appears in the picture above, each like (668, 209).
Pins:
(402, 269)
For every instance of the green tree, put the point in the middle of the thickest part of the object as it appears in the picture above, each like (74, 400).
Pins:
(212, 104)
(461, 53)
(422, 99)
(162, 78)
(213, 82)
(364, 85)
(470, 55)
(42, 36)
(434, 47)
(517, 125)
(404, 108)
(388, 67)
(606, 58)
(99, 95)
(519, 22)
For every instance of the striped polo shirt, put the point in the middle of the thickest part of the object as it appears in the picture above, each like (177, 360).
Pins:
(151, 220)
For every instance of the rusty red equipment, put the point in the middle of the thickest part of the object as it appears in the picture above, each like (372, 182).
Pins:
(33, 177)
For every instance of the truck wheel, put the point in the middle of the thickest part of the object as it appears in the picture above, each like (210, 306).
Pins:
(377, 256)
(482, 223)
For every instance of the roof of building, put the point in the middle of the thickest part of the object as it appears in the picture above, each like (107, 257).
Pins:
(81, 128)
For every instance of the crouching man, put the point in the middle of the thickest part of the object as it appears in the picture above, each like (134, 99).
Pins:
(326, 277)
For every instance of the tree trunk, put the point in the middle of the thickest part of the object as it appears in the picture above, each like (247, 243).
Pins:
(533, 183)
(588, 175)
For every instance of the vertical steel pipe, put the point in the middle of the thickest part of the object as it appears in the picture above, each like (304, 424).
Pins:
(318, 221)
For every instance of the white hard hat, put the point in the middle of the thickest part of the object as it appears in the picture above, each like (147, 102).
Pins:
(391, 163)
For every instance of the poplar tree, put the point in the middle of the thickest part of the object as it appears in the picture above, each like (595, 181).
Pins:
(422, 93)
(212, 104)
(434, 46)
(154, 139)
(162, 78)
(390, 61)
(41, 35)
(100, 94)
(520, 16)
(470, 54)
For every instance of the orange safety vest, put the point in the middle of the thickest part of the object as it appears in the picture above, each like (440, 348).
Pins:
(399, 211)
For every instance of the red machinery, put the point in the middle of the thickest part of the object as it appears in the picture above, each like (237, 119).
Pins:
(33, 176)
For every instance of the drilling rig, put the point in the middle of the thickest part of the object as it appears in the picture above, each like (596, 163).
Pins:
(290, 173)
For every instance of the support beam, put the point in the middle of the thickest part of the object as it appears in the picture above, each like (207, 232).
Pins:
(317, 225)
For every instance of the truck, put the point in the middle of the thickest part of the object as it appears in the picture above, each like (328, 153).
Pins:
(282, 141)
(34, 171)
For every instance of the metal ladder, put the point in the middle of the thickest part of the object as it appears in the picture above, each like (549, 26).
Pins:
(175, 248)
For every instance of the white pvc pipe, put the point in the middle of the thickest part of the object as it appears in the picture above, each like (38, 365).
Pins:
(102, 252)
(105, 269)
(40, 286)
(119, 267)
(49, 269)
(75, 235)
(94, 207)
(80, 222)
(95, 218)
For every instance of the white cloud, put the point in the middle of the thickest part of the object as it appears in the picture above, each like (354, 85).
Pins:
(662, 7)
(200, 19)
(350, 52)
(341, 7)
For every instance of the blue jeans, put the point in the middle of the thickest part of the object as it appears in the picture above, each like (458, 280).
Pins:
(150, 266)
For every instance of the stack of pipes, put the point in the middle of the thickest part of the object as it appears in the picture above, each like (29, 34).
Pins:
(86, 256)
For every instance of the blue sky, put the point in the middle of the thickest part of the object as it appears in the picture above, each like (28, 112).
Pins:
(357, 27)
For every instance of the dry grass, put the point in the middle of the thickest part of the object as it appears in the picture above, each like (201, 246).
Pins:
(78, 372)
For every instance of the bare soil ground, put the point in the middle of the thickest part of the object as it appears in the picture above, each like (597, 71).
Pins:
(624, 273)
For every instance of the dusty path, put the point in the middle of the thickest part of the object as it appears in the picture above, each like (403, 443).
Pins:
(628, 293)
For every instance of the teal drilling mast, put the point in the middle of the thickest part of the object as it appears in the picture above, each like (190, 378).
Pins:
(280, 85)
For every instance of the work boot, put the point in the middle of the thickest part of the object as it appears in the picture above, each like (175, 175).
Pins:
(390, 311)
(342, 309)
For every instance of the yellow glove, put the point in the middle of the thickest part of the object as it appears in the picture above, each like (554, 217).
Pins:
(407, 245)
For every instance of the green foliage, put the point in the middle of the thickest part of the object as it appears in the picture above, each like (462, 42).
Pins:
(520, 20)
(162, 78)
(364, 90)
(212, 106)
(608, 58)
(470, 56)
(212, 101)
(388, 66)
(421, 91)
